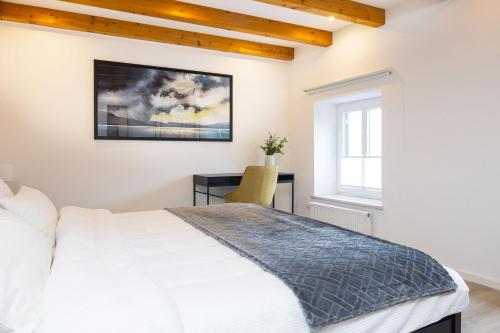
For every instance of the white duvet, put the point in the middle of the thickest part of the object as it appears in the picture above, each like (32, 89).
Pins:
(151, 272)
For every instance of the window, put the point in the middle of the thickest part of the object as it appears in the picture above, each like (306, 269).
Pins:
(359, 157)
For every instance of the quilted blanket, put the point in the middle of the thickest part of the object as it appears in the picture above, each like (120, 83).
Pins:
(336, 274)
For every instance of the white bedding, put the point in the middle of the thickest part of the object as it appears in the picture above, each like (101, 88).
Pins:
(151, 272)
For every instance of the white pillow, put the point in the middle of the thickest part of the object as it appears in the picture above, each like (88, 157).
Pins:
(34, 208)
(5, 190)
(25, 258)
(6, 216)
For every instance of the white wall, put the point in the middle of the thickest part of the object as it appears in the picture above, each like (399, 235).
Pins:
(46, 120)
(325, 148)
(441, 170)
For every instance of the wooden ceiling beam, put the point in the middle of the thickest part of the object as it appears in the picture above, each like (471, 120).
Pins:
(216, 18)
(105, 26)
(346, 10)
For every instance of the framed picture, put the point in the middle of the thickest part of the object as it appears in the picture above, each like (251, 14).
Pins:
(136, 102)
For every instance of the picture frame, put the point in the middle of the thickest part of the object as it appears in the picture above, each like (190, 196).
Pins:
(141, 102)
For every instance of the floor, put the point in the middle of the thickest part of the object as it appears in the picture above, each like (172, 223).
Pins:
(483, 313)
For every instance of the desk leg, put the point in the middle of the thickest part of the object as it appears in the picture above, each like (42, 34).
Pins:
(293, 196)
(208, 195)
(272, 205)
(194, 194)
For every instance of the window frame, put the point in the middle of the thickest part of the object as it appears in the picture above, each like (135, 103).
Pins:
(359, 105)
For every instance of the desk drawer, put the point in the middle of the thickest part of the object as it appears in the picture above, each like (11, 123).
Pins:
(224, 181)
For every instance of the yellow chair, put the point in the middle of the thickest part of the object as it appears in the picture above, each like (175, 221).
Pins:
(257, 186)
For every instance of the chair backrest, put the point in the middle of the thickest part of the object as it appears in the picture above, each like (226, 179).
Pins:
(257, 185)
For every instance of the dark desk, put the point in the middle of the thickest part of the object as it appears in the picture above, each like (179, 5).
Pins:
(234, 179)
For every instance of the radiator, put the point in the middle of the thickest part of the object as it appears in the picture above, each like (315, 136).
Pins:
(352, 219)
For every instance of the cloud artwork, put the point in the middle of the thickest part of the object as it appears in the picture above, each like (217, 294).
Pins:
(140, 102)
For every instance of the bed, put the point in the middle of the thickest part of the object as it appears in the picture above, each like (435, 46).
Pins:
(154, 272)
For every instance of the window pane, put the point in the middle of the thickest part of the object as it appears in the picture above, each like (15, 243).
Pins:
(374, 135)
(350, 169)
(373, 173)
(353, 128)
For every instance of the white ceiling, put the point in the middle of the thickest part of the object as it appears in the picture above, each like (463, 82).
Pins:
(242, 6)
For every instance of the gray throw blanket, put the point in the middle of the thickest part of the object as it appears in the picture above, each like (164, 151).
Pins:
(335, 273)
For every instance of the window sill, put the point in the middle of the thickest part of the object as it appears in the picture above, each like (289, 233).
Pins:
(350, 200)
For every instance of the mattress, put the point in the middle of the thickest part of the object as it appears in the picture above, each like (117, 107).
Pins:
(153, 272)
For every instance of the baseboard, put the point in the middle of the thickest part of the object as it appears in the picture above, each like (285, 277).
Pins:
(479, 279)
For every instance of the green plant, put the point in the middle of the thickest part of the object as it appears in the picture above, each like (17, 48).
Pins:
(274, 144)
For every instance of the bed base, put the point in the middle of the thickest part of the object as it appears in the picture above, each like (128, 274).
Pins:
(450, 324)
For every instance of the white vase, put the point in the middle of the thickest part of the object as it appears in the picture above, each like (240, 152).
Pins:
(270, 160)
